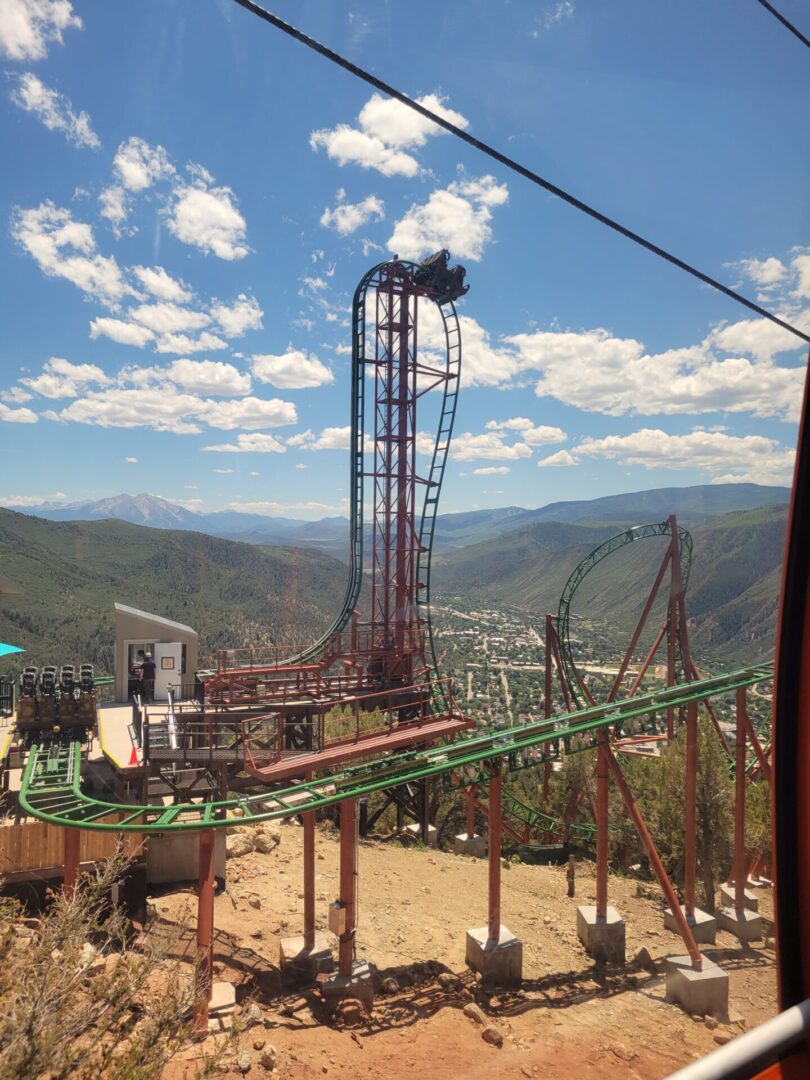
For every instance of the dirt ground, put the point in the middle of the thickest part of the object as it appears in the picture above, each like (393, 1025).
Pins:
(571, 1018)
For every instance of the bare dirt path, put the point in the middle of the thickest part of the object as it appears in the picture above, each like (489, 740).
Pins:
(570, 1019)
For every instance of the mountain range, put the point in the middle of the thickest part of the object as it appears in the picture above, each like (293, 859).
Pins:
(693, 506)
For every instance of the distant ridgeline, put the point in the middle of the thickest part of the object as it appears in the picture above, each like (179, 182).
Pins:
(59, 581)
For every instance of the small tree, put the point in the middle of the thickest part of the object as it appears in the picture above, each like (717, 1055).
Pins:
(76, 1001)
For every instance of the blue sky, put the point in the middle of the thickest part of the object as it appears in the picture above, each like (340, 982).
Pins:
(189, 199)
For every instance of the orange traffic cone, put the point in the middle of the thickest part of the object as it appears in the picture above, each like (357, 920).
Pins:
(133, 757)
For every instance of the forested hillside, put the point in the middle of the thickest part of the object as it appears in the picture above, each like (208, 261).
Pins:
(60, 580)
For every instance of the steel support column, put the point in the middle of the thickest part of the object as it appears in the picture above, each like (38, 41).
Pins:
(348, 884)
(651, 852)
(470, 797)
(602, 839)
(71, 856)
(309, 877)
(205, 931)
(690, 798)
(740, 857)
(495, 785)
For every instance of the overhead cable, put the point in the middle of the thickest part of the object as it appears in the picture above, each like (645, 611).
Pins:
(777, 15)
(515, 166)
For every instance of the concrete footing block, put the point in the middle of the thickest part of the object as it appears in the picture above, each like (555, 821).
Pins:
(359, 986)
(728, 897)
(745, 924)
(300, 964)
(415, 830)
(475, 846)
(702, 993)
(702, 925)
(500, 963)
(604, 939)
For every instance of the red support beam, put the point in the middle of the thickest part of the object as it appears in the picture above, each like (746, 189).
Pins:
(309, 877)
(602, 840)
(740, 857)
(690, 799)
(72, 844)
(495, 785)
(470, 796)
(205, 931)
(348, 884)
(655, 862)
(642, 622)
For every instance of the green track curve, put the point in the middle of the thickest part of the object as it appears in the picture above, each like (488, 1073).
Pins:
(620, 540)
(51, 787)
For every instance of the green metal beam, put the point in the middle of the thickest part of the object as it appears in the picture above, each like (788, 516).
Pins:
(55, 796)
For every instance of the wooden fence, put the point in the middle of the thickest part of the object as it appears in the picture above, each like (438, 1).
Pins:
(35, 845)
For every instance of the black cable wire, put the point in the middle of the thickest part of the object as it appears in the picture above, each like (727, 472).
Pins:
(783, 20)
(515, 166)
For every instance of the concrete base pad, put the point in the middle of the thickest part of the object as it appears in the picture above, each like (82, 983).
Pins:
(470, 845)
(359, 986)
(500, 963)
(727, 898)
(745, 924)
(301, 965)
(603, 938)
(703, 993)
(415, 830)
(703, 925)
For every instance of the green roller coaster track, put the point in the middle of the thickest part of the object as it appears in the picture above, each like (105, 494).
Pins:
(620, 540)
(51, 787)
(435, 477)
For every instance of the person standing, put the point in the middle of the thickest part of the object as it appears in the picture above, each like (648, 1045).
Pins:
(148, 669)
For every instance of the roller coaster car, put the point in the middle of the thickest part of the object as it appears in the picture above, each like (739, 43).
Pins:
(67, 680)
(87, 681)
(47, 695)
(444, 282)
(27, 703)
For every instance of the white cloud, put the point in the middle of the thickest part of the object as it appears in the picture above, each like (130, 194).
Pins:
(125, 333)
(140, 165)
(16, 395)
(142, 407)
(456, 217)
(115, 209)
(162, 285)
(562, 457)
(534, 436)
(759, 338)
(255, 443)
(249, 413)
(131, 460)
(207, 217)
(387, 127)
(63, 247)
(347, 217)
(17, 416)
(492, 470)
(54, 110)
(182, 343)
(765, 272)
(165, 317)
(243, 315)
(209, 377)
(725, 458)
(483, 364)
(27, 27)
(314, 284)
(223, 472)
(61, 379)
(487, 447)
(596, 371)
(331, 438)
(285, 508)
(801, 266)
(294, 370)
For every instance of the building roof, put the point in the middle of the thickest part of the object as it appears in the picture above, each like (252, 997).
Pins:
(157, 619)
